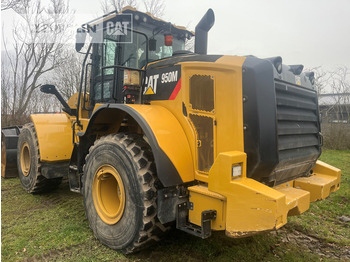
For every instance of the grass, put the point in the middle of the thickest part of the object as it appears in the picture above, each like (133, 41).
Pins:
(322, 219)
(53, 227)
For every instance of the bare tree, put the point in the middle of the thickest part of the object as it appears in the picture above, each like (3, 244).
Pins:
(189, 44)
(321, 79)
(155, 7)
(39, 39)
(111, 5)
(334, 99)
(9, 4)
(5, 93)
(340, 86)
(67, 78)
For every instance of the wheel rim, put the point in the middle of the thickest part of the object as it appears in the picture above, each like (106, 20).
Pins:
(108, 194)
(25, 159)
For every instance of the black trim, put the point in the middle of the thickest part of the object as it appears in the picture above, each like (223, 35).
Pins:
(54, 169)
(184, 110)
(259, 117)
(9, 136)
(282, 133)
(164, 88)
(166, 171)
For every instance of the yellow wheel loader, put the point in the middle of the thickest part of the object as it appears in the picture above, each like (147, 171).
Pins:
(158, 135)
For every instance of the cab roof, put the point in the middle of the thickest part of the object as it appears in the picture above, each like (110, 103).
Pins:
(139, 18)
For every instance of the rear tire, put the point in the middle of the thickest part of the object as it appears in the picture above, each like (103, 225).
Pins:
(126, 162)
(28, 163)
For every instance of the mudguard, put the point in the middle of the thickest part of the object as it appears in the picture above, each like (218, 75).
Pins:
(55, 136)
(164, 133)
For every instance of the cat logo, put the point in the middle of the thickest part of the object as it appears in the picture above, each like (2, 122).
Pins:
(151, 85)
(162, 83)
(118, 28)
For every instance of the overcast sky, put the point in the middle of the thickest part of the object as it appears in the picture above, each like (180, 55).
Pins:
(309, 32)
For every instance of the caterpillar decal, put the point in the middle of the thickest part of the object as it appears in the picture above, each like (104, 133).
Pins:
(162, 83)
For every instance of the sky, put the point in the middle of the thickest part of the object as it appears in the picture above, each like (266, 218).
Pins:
(309, 32)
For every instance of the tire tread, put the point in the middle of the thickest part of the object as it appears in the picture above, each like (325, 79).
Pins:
(151, 229)
(41, 184)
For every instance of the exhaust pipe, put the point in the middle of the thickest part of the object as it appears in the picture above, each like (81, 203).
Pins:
(202, 28)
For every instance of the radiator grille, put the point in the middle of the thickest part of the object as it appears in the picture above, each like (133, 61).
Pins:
(282, 135)
(297, 124)
(202, 92)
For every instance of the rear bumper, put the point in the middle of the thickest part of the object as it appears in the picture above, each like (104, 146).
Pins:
(245, 206)
(324, 180)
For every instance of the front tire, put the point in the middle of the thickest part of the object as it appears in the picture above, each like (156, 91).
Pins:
(28, 163)
(119, 193)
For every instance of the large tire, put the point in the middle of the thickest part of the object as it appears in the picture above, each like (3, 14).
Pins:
(122, 212)
(28, 163)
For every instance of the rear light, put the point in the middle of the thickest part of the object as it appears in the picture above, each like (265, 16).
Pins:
(168, 40)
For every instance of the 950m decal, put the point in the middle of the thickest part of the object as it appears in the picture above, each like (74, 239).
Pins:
(162, 83)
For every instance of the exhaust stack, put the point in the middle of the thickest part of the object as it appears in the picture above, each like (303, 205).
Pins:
(202, 28)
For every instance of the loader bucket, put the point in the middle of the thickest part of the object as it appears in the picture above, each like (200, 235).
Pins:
(9, 140)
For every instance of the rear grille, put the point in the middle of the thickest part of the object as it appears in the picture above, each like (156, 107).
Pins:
(297, 128)
(281, 138)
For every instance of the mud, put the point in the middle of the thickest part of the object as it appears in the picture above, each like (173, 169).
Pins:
(314, 245)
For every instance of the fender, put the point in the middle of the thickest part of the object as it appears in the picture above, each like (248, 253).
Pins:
(164, 133)
(55, 134)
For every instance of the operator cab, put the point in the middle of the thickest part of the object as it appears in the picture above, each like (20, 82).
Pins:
(122, 46)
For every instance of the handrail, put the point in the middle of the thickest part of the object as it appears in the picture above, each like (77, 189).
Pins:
(85, 83)
(119, 66)
(81, 85)
(84, 68)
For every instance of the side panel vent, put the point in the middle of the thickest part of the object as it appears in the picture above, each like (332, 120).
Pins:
(202, 92)
(205, 141)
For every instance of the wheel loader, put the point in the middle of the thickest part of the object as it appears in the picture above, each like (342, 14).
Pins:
(160, 136)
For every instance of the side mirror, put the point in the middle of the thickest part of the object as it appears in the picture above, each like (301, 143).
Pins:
(51, 89)
(152, 43)
(48, 89)
(80, 38)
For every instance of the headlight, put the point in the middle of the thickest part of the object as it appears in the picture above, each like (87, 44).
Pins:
(131, 78)
(236, 171)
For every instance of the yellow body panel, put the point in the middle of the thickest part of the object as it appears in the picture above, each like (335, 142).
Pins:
(202, 200)
(170, 137)
(251, 207)
(227, 75)
(324, 180)
(55, 136)
(73, 103)
(297, 200)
